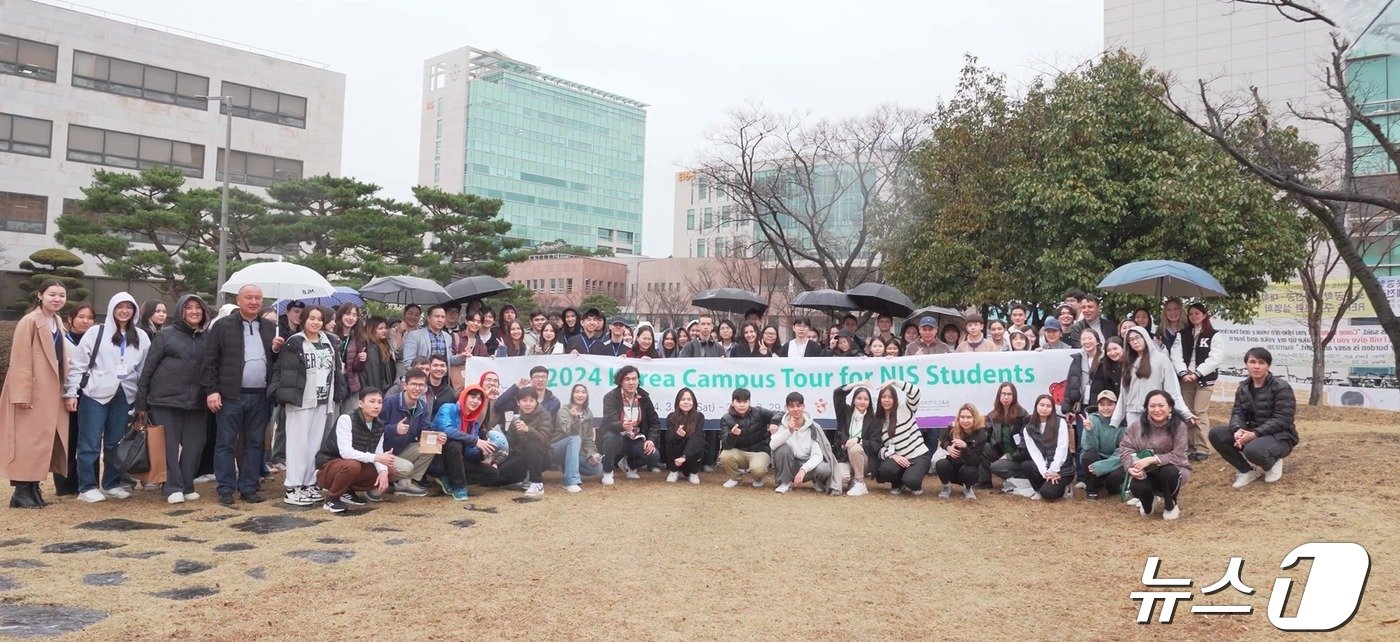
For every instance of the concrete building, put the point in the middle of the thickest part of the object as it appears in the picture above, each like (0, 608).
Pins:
(562, 280)
(706, 222)
(567, 159)
(80, 92)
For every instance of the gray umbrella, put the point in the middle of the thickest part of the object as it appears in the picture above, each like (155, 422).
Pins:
(824, 300)
(476, 287)
(403, 290)
(940, 314)
(881, 299)
(731, 300)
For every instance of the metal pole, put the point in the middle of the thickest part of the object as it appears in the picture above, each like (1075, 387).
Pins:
(223, 207)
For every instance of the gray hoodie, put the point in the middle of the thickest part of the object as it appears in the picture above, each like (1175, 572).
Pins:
(116, 366)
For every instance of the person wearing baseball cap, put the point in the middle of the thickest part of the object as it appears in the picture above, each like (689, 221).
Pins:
(592, 334)
(616, 344)
(928, 342)
(1099, 453)
(1051, 331)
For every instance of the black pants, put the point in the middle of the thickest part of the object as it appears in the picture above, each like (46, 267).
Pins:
(1162, 480)
(206, 458)
(1095, 484)
(68, 485)
(912, 477)
(615, 448)
(958, 471)
(1048, 491)
(463, 468)
(1262, 451)
(185, 434)
(535, 456)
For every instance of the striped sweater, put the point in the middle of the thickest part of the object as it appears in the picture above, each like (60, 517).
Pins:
(907, 441)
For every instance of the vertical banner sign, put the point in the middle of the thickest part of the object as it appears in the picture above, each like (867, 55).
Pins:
(945, 381)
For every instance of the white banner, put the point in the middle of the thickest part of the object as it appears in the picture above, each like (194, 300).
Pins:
(945, 381)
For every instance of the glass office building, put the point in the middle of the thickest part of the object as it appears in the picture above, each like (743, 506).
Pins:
(566, 159)
(1373, 78)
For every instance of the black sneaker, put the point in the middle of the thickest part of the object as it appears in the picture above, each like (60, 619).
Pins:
(374, 496)
(333, 506)
(253, 498)
(226, 500)
(353, 499)
(1198, 456)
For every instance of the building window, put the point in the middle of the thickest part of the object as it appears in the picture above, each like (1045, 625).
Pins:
(700, 248)
(130, 151)
(624, 237)
(257, 169)
(117, 76)
(24, 213)
(725, 215)
(22, 135)
(265, 105)
(437, 150)
(704, 188)
(709, 218)
(437, 76)
(568, 285)
(439, 128)
(28, 58)
(719, 247)
(690, 219)
(605, 234)
(437, 173)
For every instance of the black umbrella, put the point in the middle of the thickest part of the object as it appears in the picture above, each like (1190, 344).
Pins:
(731, 300)
(403, 290)
(475, 287)
(881, 299)
(941, 315)
(824, 300)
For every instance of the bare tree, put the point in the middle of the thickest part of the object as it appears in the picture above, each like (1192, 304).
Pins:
(822, 194)
(1355, 213)
(1323, 260)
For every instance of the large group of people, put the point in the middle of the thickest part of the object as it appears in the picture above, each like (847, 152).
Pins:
(350, 408)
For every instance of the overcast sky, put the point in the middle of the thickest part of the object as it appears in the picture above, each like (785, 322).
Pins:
(689, 61)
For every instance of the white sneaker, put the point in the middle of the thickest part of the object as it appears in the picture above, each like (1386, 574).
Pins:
(92, 496)
(730, 483)
(175, 498)
(1133, 501)
(190, 497)
(535, 490)
(918, 492)
(1274, 473)
(1036, 495)
(1080, 485)
(1245, 479)
(857, 489)
(607, 479)
(118, 492)
(783, 488)
(758, 483)
(673, 477)
(205, 479)
(295, 497)
(623, 466)
(968, 493)
(694, 479)
(894, 491)
(946, 492)
(632, 474)
(1174, 513)
(573, 488)
(313, 493)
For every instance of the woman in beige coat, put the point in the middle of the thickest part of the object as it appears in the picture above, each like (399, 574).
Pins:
(33, 419)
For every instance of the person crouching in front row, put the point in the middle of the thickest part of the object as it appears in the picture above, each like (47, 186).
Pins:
(685, 439)
(352, 458)
(745, 432)
(799, 440)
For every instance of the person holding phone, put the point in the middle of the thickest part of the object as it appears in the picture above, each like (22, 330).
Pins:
(1153, 451)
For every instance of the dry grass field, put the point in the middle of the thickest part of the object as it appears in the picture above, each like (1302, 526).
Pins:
(648, 560)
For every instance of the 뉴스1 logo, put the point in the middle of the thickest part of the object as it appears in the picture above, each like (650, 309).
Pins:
(1331, 594)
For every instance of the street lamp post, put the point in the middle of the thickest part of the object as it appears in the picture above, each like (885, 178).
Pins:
(227, 103)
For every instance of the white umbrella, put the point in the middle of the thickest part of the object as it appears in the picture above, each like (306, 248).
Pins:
(280, 280)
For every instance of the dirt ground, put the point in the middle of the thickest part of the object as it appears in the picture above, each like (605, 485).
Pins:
(649, 560)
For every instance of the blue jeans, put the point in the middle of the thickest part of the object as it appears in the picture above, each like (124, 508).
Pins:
(100, 427)
(568, 453)
(245, 417)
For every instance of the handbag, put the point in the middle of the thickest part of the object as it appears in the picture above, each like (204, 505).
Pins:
(133, 451)
(96, 345)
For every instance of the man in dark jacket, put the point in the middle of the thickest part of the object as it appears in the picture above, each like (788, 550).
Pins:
(629, 425)
(1261, 431)
(406, 415)
(744, 447)
(237, 368)
(1092, 319)
(592, 334)
(705, 345)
